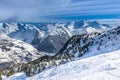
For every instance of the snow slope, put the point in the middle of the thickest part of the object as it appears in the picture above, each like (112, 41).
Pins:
(100, 67)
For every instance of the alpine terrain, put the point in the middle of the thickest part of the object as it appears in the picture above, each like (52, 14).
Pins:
(76, 50)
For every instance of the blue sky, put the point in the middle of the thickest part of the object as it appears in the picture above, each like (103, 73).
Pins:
(50, 10)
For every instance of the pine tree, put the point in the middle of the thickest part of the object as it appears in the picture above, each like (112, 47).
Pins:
(0, 75)
(68, 56)
(54, 63)
(40, 69)
(98, 48)
(35, 68)
(31, 73)
(10, 72)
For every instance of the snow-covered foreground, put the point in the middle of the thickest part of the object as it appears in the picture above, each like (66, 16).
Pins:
(100, 67)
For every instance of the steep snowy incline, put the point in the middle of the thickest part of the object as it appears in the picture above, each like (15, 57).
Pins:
(100, 67)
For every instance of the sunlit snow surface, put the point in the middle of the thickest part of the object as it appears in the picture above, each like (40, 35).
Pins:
(100, 67)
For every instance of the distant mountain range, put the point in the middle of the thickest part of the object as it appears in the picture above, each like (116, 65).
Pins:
(43, 35)
(25, 42)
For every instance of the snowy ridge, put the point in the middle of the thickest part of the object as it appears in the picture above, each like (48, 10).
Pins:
(85, 43)
(88, 26)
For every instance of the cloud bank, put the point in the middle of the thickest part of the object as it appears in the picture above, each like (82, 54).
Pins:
(48, 10)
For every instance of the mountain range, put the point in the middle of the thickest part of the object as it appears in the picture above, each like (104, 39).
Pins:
(31, 45)
(89, 52)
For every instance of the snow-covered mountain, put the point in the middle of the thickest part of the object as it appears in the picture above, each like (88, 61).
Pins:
(81, 47)
(14, 51)
(77, 47)
(52, 36)
(88, 26)
(81, 44)
(39, 35)
(53, 39)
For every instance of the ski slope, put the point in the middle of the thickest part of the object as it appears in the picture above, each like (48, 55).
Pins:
(99, 67)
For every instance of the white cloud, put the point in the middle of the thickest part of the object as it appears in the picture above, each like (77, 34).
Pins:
(36, 10)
